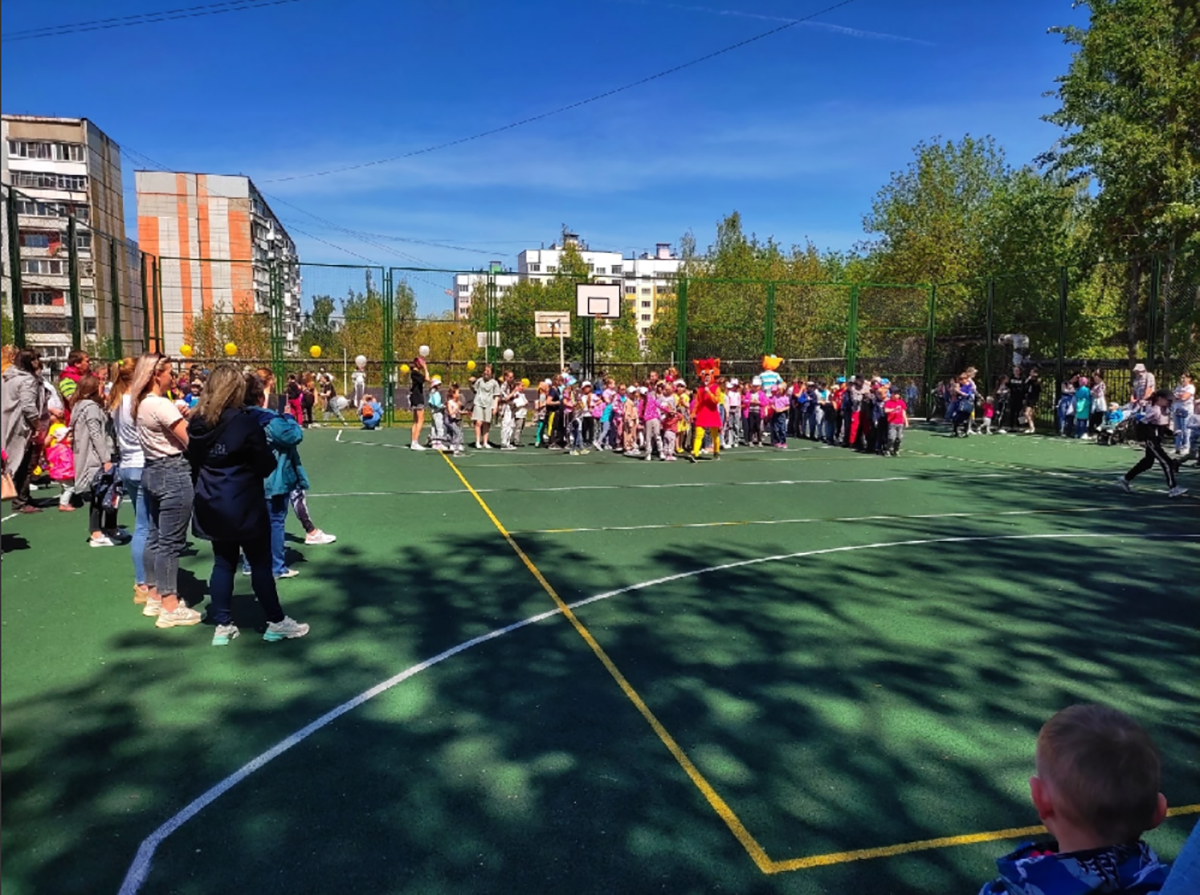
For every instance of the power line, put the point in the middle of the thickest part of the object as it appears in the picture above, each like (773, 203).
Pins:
(575, 105)
(145, 18)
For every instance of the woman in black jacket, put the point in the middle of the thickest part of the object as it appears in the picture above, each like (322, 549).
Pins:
(230, 458)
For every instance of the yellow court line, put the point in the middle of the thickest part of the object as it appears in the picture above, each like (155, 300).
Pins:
(756, 852)
(903, 848)
(761, 859)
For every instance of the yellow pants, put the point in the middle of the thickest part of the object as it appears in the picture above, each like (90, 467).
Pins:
(716, 437)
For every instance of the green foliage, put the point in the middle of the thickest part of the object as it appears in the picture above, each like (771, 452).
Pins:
(209, 331)
(7, 333)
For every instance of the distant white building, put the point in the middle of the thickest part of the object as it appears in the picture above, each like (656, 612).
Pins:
(646, 277)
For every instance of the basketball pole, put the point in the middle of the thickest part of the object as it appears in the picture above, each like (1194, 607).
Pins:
(562, 363)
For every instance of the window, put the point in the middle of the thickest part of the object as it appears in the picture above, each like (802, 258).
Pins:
(83, 241)
(37, 209)
(646, 290)
(601, 270)
(47, 325)
(631, 290)
(550, 268)
(535, 268)
(463, 287)
(646, 304)
(59, 152)
(89, 325)
(590, 267)
(618, 268)
(645, 318)
(48, 266)
(44, 298)
(661, 288)
(46, 180)
(32, 240)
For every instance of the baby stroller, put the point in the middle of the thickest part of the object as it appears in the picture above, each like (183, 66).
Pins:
(1117, 427)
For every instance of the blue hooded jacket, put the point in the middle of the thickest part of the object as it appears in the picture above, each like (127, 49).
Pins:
(1134, 869)
(283, 435)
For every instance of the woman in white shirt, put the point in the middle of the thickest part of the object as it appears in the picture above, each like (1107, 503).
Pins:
(1183, 406)
(166, 488)
(132, 460)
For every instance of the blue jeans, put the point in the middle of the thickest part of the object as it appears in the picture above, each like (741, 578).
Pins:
(779, 428)
(167, 490)
(277, 509)
(225, 556)
(1181, 430)
(131, 479)
(1081, 426)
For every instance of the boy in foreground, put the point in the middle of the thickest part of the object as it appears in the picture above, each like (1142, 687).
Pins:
(1096, 790)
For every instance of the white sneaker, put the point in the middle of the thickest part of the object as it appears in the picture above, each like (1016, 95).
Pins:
(319, 537)
(152, 608)
(180, 616)
(1085, 437)
(1177, 491)
(487, 445)
(1124, 485)
(417, 446)
(288, 629)
(287, 573)
(478, 446)
(102, 541)
(223, 634)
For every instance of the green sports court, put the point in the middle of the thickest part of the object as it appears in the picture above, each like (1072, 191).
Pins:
(810, 671)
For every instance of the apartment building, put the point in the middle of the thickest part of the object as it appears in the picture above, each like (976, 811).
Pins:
(646, 277)
(59, 168)
(216, 239)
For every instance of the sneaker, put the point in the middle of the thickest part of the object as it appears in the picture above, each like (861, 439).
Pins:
(1124, 485)
(102, 541)
(141, 594)
(416, 446)
(585, 451)
(223, 634)
(180, 616)
(487, 445)
(1085, 437)
(29, 508)
(319, 537)
(246, 571)
(152, 608)
(478, 446)
(287, 573)
(66, 508)
(1177, 491)
(288, 629)
(691, 458)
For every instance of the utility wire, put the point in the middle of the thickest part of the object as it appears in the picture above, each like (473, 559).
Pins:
(145, 18)
(575, 105)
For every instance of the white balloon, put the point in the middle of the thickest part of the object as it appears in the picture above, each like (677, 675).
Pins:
(360, 361)
(508, 354)
(423, 351)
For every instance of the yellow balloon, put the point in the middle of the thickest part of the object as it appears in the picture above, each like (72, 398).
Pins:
(315, 351)
(185, 350)
(404, 368)
(470, 366)
(230, 349)
(524, 382)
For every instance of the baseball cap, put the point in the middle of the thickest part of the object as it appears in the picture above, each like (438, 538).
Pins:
(632, 389)
(841, 379)
(642, 390)
(1139, 368)
(436, 380)
(757, 380)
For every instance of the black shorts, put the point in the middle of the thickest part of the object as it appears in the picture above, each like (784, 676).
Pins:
(416, 401)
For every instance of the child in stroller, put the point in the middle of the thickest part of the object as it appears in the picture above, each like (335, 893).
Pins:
(1117, 427)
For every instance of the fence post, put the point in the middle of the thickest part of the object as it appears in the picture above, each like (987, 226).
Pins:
(118, 348)
(73, 274)
(1155, 299)
(160, 319)
(14, 263)
(681, 316)
(769, 328)
(990, 334)
(145, 307)
(1060, 363)
(930, 351)
(275, 312)
(852, 333)
(389, 348)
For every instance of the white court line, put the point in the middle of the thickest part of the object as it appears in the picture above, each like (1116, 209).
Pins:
(10, 516)
(883, 518)
(139, 869)
(661, 485)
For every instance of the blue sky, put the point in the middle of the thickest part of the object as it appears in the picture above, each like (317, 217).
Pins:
(796, 131)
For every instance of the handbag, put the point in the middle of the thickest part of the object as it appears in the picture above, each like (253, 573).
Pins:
(7, 487)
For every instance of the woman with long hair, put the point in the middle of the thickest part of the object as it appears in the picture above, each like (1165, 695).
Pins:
(418, 373)
(166, 488)
(130, 468)
(92, 442)
(23, 405)
(231, 458)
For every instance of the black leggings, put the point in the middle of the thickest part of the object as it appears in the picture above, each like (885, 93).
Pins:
(1154, 453)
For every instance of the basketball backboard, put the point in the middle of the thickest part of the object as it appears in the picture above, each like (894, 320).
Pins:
(598, 300)
(552, 324)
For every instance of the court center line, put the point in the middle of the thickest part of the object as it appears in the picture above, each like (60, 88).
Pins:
(140, 866)
(880, 518)
(732, 821)
(665, 485)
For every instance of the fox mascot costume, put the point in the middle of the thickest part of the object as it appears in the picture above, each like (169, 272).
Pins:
(706, 407)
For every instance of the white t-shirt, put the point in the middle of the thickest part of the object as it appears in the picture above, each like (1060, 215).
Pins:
(128, 442)
(1185, 398)
(156, 416)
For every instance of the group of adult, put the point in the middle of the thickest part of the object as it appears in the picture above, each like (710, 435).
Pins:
(203, 467)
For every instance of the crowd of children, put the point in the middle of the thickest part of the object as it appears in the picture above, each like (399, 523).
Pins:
(660, 416)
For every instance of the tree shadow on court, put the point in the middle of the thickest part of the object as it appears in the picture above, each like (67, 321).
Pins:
(837, 702)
